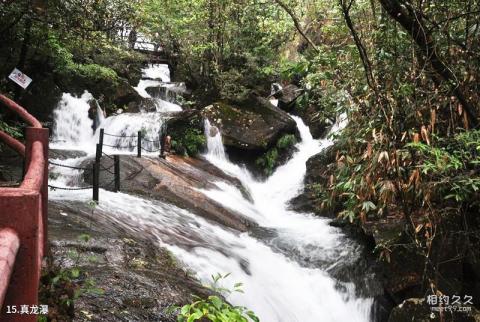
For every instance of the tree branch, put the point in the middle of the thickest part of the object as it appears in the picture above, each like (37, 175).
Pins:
(412, 22)
(297, 23)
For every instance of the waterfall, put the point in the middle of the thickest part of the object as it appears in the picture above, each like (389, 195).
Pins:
(306, 239)
(100, 113)
(160, 71)
(285, 264)
(159, 76)
(72, 127)
(214, 142)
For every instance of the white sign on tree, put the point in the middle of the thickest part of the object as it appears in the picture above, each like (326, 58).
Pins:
(20, 78)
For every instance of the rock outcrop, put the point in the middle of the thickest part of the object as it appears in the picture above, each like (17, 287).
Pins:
(316, 178)
(127, 98)
(136, 279)
(316, 121)
(255, 125)
(186, 130)
(178, 181)
(287, 97)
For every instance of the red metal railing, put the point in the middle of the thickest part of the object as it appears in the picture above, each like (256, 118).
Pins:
(23, 221)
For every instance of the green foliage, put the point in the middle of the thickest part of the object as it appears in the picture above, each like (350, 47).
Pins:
(436, 160)
(451, 163)
(268, 161)
(13, 131)
(63, 60)
(286, 141)
(225, 47)
(290, 70)
(191, 142)
(271, 159)
(84, 238)
(214, 308)
(42, 318)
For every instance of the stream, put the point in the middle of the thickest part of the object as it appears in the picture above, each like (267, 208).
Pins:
(285, 264)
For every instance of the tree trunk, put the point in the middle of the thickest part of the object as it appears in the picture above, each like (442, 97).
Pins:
(367, 65)
(296, 23)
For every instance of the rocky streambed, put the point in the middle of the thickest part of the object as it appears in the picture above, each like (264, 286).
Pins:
(121, 276)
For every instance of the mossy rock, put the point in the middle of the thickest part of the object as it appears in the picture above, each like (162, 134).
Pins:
(252, 125)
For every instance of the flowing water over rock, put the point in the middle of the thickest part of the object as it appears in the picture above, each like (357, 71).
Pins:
(284, 264)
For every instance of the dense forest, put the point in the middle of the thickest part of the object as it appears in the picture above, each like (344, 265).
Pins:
(404, 173)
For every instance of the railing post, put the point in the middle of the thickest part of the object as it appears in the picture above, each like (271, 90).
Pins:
(33, 134)
(100, 140)
(96, 173)
(139, 144)
(21, 210)
(95, 183)
(116, 160)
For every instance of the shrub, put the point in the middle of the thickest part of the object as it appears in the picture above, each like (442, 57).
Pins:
(190, 143)
(214, 308)
(286, 141)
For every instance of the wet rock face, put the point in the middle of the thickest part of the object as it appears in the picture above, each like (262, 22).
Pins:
(165, 92)
(126, 98)
(316, 178)
(318, 125)
(176, 180)
(254, 125)
(287, 97)
(65, 154)
(140, 280)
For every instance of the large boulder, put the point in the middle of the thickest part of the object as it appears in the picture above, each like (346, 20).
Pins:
(319, 170)
(317, 121)
(176, 180)
(167, 90)
(127, 98)
(287, 96)
(255, 125)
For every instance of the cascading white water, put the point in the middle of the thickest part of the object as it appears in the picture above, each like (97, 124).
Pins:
(158, 76)
(215, 147)
(126, 127)
(308, 239)
(160, 71)
(72, 127)
(284, 264)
